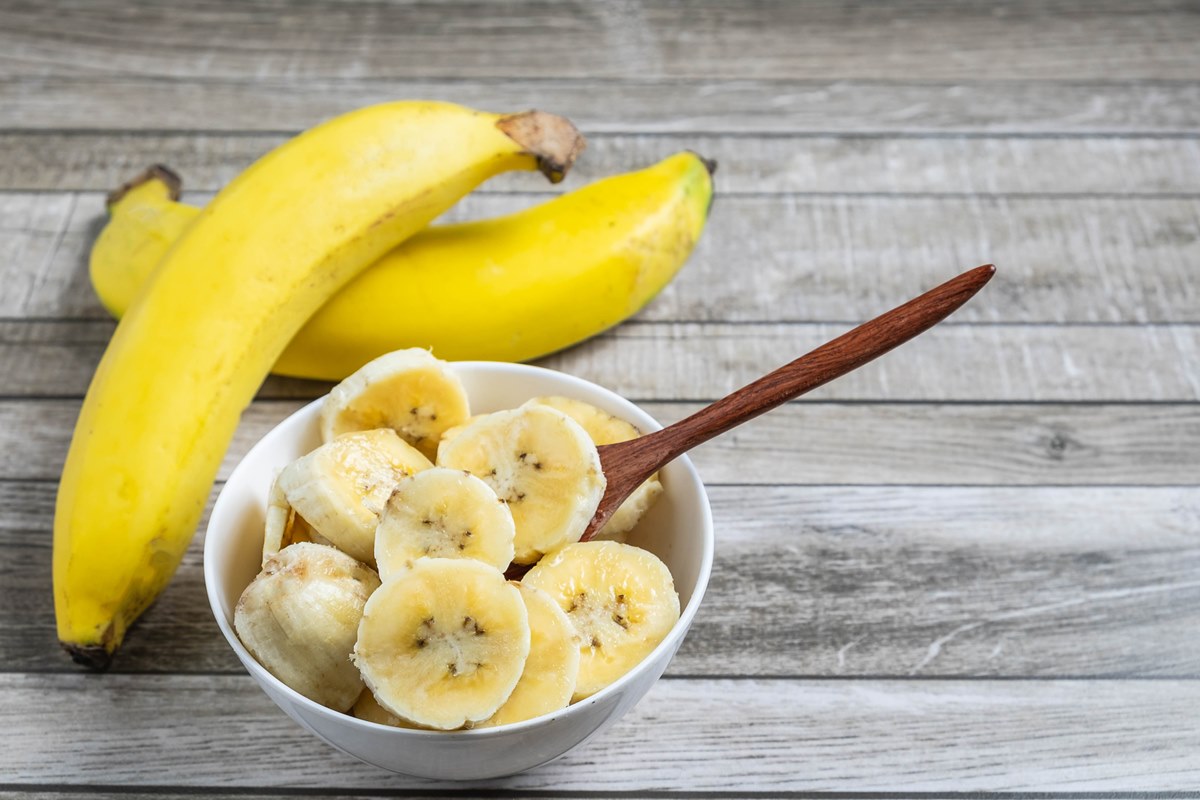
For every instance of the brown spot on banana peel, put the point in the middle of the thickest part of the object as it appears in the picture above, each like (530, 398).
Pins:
(157, 172)
(553, 140)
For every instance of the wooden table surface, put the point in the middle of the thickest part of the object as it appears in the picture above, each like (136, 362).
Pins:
(973, 566)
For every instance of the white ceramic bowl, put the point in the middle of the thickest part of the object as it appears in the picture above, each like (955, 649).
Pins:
(678, 529)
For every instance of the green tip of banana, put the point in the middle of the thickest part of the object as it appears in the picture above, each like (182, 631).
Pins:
(710, 164)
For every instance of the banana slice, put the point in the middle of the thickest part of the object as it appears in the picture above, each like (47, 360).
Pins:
(443, 643)
(548, 681)
(368, 708)
(540, 462)
(620, 599)
(409, 391)
(341, 487)
(443, 513)
(284, 526)
(299, 619)
(604, 428)
(450, 433)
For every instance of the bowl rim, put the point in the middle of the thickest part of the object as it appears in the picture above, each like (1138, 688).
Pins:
(671, 640)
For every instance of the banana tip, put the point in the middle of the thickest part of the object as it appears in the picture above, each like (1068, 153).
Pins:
(710, 164)
(155, 172)
(94, 657)
(553, 140)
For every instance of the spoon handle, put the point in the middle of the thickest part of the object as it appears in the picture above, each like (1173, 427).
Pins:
(627, 464)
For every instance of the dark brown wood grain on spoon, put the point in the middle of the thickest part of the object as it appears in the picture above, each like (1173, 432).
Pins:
(627, 464)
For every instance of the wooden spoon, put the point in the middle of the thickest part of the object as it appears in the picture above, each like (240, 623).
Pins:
(627, 464)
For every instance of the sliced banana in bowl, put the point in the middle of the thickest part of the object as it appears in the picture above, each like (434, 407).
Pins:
(548, 681)
(409, 391)
(443, 643)
(366, 707)
(542, 464)
(443, 513)
(284, 526)
(620, 599)
(299, 618)
(605, 428)
(450, 698)
(340, 488)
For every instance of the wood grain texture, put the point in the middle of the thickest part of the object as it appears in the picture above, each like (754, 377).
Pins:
(813, 443)
(749, 163)
(179, 793)
(792, 258)
(79, 102)
(812, 581)
(806, 735)
(971, 566)
(761, 39)
(704, 361)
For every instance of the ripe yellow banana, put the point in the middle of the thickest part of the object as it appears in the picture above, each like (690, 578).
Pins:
(227, 297)
(507, 289)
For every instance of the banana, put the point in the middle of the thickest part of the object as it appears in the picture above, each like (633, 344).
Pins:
(299, 618)
(284, 526)
(368, 708)
(620, 599)
(409, 391)
(145, 219)
(604, 428)
(340, 488)
(511, 289)
(548, 680)
(443, 644)
(443, 513)
(228, 296)
(450, 433)
(542, 464)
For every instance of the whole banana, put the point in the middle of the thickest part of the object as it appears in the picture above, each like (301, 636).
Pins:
(199, 337)
(507, 289)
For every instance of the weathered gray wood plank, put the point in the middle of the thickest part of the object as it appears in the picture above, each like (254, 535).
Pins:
(790, 258)
(952, 363)
(101, 161)
(815, 443)
(825, 581)
(686, 735)
(750, 106)
(1017, 569)
(92, 792)
(919, 41)
(704, 361)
